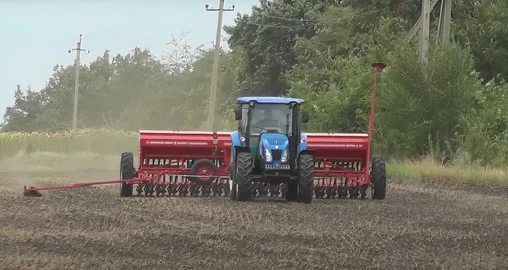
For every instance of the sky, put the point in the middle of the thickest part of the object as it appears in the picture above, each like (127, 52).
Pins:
(35, 35)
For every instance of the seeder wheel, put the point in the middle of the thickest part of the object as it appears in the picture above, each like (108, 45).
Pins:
(203, 167)
(378, 178)
(127, 172)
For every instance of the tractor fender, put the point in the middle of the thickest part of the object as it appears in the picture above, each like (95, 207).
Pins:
(306, 152)
(237, 144)
(242, 149)
(236, 147)
(302, 146)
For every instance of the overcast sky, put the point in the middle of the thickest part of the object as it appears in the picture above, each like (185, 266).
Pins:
(36, 34)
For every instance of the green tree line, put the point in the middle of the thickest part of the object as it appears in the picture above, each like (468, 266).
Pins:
(454, 107)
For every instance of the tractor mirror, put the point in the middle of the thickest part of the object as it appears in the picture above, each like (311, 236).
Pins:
(238, 114)
(305, 117)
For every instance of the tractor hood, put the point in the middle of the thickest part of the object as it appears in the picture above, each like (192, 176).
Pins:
(273, 147)
(275, 141)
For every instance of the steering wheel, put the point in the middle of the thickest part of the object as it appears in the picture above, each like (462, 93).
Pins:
(269, 129)
(267, 123)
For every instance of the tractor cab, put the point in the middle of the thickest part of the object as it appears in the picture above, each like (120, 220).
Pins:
(270, 128)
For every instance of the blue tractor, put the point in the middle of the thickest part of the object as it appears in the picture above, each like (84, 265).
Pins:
(270, 148)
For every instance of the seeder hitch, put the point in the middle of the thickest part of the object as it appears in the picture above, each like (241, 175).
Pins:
(155, 179)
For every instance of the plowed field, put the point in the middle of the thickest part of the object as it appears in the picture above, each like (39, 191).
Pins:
(417, 227)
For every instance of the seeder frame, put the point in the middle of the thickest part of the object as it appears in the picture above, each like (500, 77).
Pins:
(181, 150)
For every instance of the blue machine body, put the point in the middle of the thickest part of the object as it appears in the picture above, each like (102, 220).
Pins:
(269, 100)
(272, 147)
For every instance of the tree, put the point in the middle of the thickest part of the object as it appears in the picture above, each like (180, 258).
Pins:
(267, 37)
(27, 108)
(333, 72)
(481, 28)
(129, 92)
(320, 50)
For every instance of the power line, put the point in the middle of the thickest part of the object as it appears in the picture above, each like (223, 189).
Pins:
(410, 36)
(78, 50)
(316, 20)
(279, 26)
(213, 90)
(336, 19)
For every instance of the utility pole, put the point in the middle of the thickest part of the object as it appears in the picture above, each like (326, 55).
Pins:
(445, 19)
(417, 26)
(213, 90)
(423, 47)
(422, 25)
(78, 50)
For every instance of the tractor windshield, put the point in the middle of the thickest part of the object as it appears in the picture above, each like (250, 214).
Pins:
(271, 118)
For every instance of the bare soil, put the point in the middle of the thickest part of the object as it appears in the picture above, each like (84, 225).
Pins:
(417, 227)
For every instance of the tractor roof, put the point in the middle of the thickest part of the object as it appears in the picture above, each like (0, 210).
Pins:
(269, 100)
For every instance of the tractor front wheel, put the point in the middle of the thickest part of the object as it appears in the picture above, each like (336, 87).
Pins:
(378, 178)
(127, 172)
(305, 178)
(243, 176)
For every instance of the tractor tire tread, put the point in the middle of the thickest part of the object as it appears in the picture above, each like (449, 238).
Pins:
(232, 193)
(306, 178)
(127, 172)
(292, 192)
(232, 179)
(243, 176)
(378, 176)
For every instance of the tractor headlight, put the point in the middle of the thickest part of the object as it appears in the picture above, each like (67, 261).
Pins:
(284, 157)
(268, 155)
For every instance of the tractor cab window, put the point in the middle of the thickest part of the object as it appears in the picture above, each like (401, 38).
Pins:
(271, 118)
(245, 119)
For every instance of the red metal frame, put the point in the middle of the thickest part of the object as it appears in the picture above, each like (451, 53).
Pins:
(332, 148)
(167, 153)
(177, 147)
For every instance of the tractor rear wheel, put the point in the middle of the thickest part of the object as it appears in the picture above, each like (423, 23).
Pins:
(305, 178)
(127, 172)
(378, 178)
(233, 190)
(243, 176)
(233, 186)
(291, 192)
